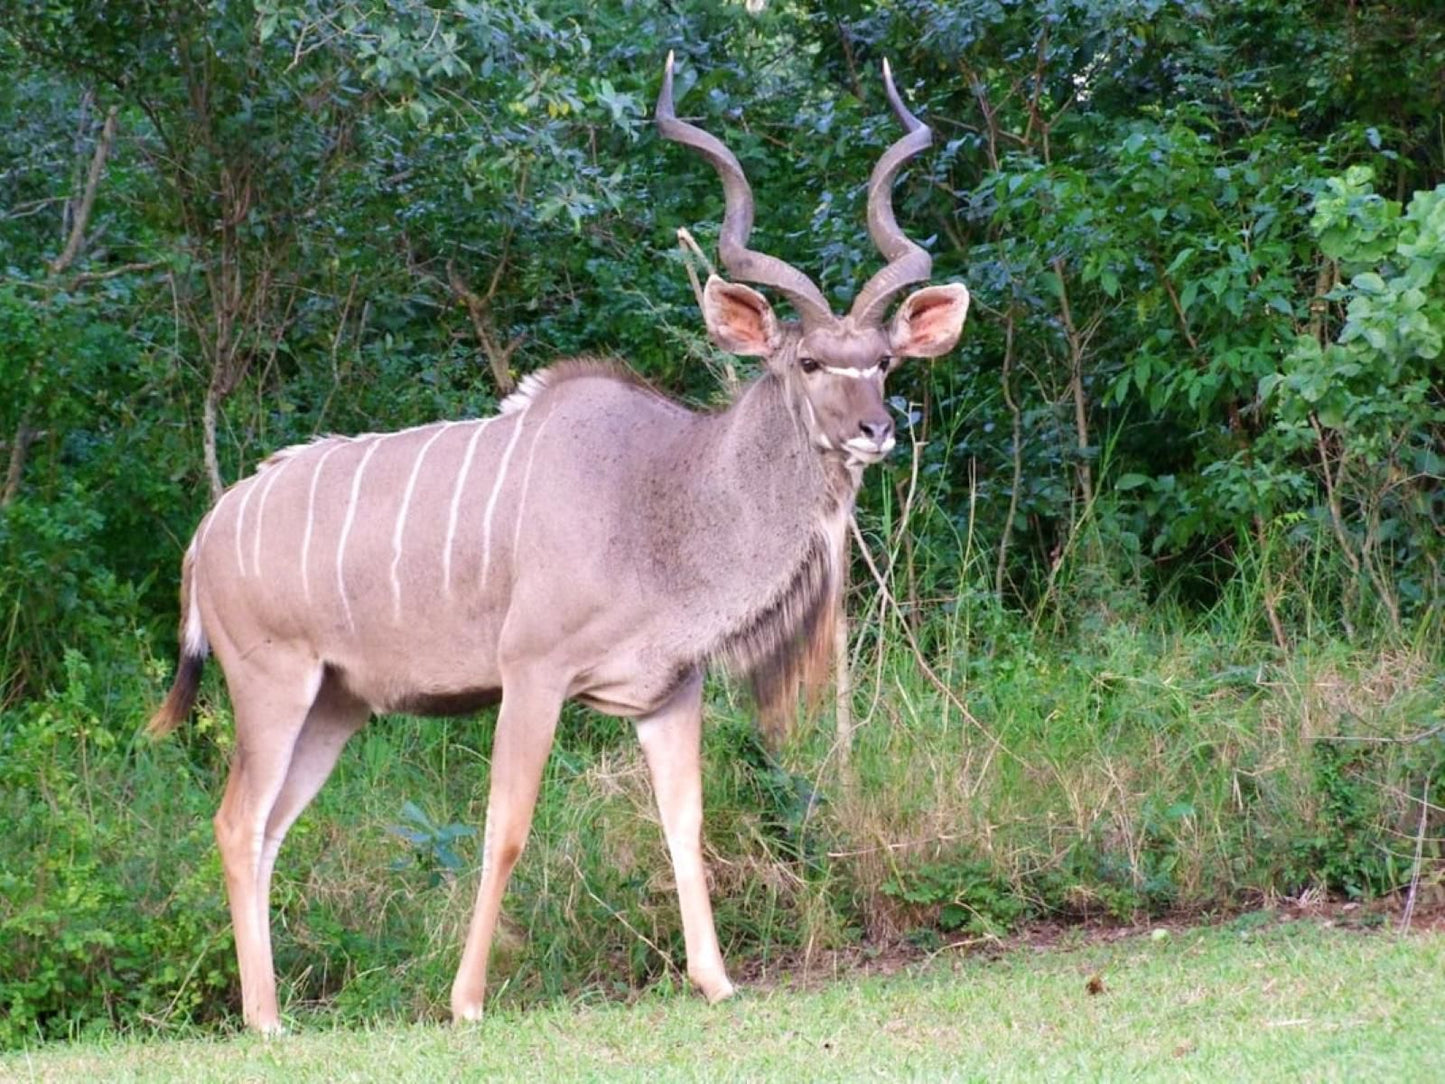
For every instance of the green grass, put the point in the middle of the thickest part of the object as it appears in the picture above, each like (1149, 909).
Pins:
(1141, 761)
(1148, 772)
(1243, 1001)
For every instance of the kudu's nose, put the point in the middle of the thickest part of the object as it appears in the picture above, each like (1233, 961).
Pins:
(877, 430)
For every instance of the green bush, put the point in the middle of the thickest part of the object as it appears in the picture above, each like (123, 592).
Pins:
(111, 915)
(1166, 527)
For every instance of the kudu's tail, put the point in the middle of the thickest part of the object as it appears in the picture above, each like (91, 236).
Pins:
(194, 649)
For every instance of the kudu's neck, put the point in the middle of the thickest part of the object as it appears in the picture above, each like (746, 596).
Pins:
(760, 447)
(765, 512)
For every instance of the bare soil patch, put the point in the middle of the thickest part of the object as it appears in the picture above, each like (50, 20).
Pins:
(809, 970)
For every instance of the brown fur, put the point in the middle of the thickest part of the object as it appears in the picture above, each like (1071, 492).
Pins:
(801, 664)
(801, 659)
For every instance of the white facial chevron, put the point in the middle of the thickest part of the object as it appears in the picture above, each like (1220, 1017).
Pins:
(852, 373)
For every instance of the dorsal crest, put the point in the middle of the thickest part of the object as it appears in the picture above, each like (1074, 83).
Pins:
(535, 384)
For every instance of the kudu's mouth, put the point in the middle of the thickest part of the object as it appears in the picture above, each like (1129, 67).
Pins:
(865, 450)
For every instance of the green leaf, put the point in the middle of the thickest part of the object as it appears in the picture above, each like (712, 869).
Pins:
(1179, 260)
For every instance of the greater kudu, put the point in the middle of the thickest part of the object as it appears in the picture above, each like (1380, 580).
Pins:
(592, 540)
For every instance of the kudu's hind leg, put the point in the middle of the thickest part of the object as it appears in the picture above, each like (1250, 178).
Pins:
(271, 703)
(525, 726)
(333, 718)
(672, 743)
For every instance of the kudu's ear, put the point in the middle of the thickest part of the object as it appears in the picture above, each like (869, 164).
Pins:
(739, 319)
(929, 322)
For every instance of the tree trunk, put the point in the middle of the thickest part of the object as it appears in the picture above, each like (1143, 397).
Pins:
(19, 449)
(208, 436)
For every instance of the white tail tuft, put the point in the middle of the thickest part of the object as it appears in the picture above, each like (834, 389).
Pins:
(193, 641)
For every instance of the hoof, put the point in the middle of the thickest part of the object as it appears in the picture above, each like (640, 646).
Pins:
(466, 1014)
(720, 993)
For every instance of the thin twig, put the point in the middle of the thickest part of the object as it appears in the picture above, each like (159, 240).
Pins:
(904, 539)
(123, 269)
(1006, 380)
(690, 248)
(1078, 343)
(899, 846)
(1419, 850)
(620, 917)
(691, 251)
(1371, 739)
(928, 672)
(32, 207)
(843, 720)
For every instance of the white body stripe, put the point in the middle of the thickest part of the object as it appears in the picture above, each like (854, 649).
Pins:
(275, 473)
(346, 528)
(240, 522)
(456, 503)
(497, 492)
(210, 520)
(311, 521)
(397, 531)
(526, 483)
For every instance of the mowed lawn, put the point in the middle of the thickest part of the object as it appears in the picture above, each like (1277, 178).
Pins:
(1248, 1000)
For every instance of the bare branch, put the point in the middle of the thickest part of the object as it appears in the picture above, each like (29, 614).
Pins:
(87, 200)
(479, 309)
(1006, 380)
(32, 207)
(1419, 851)
(124, 269)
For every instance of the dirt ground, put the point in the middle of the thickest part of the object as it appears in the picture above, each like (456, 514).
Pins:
(803, 969)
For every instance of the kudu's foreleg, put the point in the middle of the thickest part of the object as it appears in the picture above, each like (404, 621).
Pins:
(672, 743)
(525, 726)
(271, 706)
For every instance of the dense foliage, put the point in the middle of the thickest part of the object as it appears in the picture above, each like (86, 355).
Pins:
(1195, 428)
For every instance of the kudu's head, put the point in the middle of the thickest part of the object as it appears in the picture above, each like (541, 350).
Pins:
(834, 367)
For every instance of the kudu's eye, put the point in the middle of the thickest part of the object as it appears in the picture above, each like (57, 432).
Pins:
(809, 365)
(885, 365)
